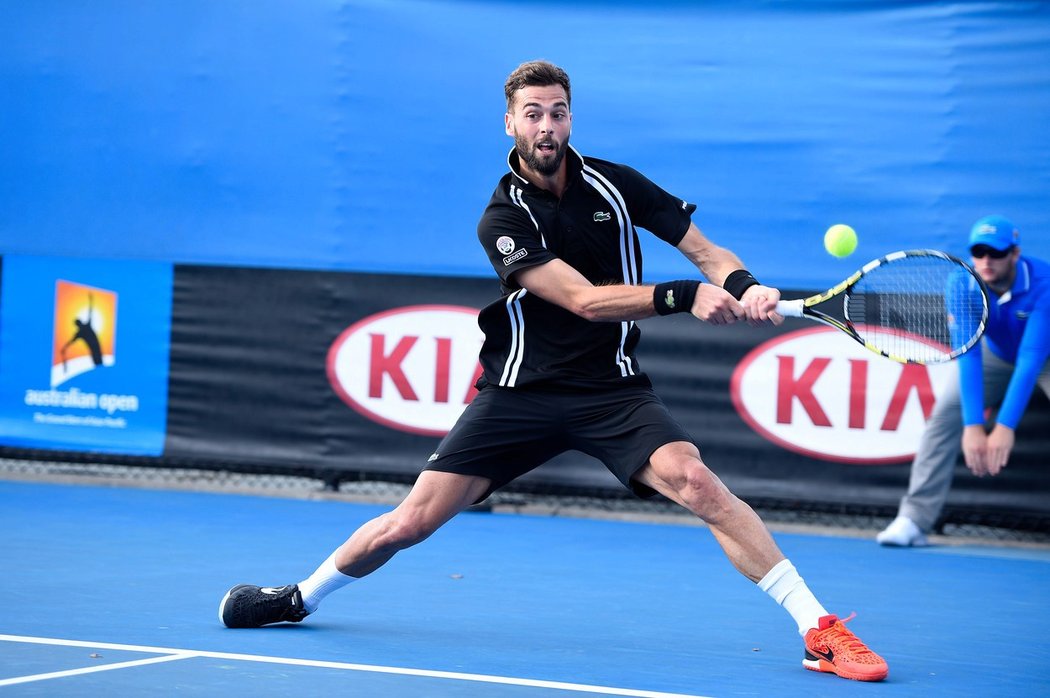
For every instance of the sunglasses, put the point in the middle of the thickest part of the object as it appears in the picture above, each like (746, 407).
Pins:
(982, 251)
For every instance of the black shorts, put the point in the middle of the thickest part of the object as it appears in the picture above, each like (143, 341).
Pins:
(504, 433)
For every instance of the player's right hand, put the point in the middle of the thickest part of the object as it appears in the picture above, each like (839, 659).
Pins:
(760, 304)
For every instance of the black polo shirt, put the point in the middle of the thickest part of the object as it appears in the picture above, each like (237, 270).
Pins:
(529, 341)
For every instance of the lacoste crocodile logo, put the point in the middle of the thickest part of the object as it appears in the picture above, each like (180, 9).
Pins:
(602, 216)
(669, 299)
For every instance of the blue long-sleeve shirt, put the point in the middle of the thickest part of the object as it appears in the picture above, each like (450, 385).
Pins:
(1018, 332)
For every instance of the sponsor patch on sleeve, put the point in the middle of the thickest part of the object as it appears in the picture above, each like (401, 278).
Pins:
(505, 245)
(507, 261)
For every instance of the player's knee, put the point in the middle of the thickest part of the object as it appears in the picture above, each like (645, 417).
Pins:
(405, 529)
(705, 494)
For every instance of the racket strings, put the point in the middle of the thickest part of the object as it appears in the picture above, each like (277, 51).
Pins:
(921, 308)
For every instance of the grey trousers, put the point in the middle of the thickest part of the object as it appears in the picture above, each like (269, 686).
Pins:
(934, 464)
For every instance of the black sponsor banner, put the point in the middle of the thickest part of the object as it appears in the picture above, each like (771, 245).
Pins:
(249, 381)
(692, 366)
(340, 374)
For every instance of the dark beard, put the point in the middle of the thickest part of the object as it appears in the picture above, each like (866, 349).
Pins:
(528, 155)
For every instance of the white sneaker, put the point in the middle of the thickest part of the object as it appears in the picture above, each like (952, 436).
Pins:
(902, 532)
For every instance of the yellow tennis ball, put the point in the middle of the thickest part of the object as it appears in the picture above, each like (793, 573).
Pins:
(840, 240)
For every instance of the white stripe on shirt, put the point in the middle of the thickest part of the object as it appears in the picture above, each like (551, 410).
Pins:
(628, 262)
(516, 197)
(517, 341)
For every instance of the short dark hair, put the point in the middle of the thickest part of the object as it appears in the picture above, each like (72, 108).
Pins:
(536, 74)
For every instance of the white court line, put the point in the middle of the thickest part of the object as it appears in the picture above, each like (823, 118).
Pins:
(93, 669)
(177, 653)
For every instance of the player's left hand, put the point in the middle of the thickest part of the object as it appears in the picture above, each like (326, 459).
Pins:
(760, 303)
(713, 304)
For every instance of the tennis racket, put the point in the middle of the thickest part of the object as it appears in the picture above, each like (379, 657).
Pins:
(914, 306)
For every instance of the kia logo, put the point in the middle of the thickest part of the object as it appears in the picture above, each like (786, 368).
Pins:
(819, 393)
(411, 368)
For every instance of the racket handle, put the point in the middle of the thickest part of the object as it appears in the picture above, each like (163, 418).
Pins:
(791, 308)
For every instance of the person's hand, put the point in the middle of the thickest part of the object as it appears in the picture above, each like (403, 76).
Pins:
(997, 452)
(760, 305)
(715, 305)
(987, 454)
(974, 448)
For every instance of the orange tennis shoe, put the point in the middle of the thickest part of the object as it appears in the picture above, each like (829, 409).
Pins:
(833, 648)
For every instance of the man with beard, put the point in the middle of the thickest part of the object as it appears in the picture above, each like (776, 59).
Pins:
(560, 372)
(1013, 358)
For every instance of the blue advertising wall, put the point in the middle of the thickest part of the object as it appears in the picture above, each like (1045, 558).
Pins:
(243, 182)
(367, 135)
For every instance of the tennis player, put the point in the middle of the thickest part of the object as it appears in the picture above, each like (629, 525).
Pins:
(1013, 359)
(560, 370)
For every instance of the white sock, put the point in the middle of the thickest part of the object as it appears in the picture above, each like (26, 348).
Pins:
(788, 589)
(325, 579)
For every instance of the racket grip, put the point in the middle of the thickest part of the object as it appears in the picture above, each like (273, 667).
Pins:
(791, 308)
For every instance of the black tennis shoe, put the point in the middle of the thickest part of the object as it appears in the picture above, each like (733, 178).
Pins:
(249, 606)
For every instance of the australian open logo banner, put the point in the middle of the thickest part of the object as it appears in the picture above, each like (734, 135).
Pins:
(85, 330)
(84, 348)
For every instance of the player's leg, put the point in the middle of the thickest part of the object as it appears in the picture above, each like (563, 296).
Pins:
(434, 499)
(676, 471)
(501, 435)
(634, 434)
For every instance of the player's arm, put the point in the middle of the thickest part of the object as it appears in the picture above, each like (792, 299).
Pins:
(561, 284)
(717, 263)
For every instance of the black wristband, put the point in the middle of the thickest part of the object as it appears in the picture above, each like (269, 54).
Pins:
(674, 296)
(739, 281)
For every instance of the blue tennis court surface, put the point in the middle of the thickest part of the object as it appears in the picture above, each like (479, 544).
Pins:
(115, 591)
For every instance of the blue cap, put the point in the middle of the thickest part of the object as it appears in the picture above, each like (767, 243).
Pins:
(995, 231)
